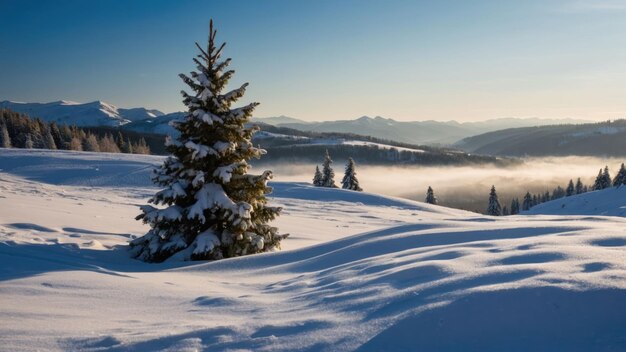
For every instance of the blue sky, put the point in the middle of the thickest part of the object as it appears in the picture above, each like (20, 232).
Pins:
(320, 60)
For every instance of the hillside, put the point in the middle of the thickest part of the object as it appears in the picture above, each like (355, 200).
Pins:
(593, 139)
(607, 202)
(294, 146)
(361, 272)
(416, 132)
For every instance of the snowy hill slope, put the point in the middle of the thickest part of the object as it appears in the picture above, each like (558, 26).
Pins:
(601, 138)
(360, 272)
(607, 202)
(97, 113)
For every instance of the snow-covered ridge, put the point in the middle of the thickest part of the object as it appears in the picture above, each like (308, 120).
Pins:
(607, 202)
(328, 141)
(360, 272)
(97, 113)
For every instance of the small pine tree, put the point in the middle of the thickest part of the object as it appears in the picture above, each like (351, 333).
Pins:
(317, 178)
(606, 178)
(76, 144)
(141, 147)
(494, 208)
(597, 184)
(430, 196)
(328, 175)
(5, 139)
(528, 201)
(91, 143)
(28, 144)
(514, 206)
(349, 179)
(107, 144)
(128, 147)
(579, 186)
(620, 178)
(48, 140)
(505, 211)
(213, 207)
(119, 140)
(570, 190)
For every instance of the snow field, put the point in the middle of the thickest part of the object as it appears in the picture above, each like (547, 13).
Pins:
(359, 272)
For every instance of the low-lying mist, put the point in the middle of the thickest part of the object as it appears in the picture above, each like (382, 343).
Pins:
(464, 187)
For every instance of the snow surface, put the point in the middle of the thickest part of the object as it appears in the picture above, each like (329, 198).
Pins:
(609, 202)
(359, 272)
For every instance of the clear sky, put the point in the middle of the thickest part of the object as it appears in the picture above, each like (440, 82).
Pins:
(329, 59)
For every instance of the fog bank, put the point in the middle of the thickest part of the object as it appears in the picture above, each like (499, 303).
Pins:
(465, 187)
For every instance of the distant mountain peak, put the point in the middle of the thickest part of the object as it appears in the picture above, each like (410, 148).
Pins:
(95, 113)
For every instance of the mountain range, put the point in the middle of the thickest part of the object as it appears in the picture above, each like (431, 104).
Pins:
(99, 113)
(96, 113)
(416, 132)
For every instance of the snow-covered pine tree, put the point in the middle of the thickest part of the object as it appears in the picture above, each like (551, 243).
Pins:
(430, 196)
(75, 144)
(213, 207)
(48, 140)
(328, 175)
(349, 178)
(514, 206)
(579, 186)
(528, 201)
(606, 178)
(5, 139)
(620, 178)
(141, 147)
(91, 144)
(317, 177)
(494, 207)
(570, 190)
(597, 185)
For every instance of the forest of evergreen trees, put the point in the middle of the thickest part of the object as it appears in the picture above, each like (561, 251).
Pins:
(21, 131)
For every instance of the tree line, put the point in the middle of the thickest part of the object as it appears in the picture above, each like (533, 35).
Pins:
(373, 154)
(21, 131)
(494, 208)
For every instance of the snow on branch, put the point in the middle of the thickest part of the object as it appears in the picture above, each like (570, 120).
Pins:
(200, 150)
(224, 173)
(206, 242)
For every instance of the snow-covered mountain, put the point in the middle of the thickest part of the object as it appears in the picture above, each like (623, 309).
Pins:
(592, 139)
(97, 113)
(100, 113)
(360, 272)
(416, 132)
(158, 125)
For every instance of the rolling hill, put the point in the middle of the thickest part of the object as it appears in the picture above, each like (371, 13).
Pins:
(593, 139)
